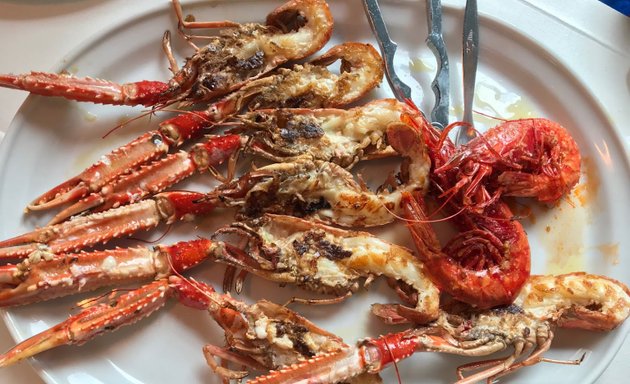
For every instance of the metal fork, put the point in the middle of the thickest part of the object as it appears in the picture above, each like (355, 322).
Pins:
(435, 41)
(388, 49)
(440, 85)
(470, 57)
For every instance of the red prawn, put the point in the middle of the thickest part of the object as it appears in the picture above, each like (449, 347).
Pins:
(488, 262)
(485, 265)
(524, 158)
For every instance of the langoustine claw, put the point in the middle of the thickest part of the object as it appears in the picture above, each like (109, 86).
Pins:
(309, 85)
(293, 31)
(44, 275)
(84, 231)
(328, 260)
(157, 176)
(576, 300)
(91, 322)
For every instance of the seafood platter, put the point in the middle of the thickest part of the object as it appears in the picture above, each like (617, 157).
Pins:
(251, 195)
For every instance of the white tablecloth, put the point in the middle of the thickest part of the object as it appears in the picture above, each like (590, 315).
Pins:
(27, 28)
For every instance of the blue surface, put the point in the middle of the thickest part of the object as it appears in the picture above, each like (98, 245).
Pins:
(622, 6)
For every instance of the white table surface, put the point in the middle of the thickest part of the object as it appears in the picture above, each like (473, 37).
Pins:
(68, 22)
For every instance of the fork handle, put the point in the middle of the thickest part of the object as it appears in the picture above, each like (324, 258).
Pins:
(470, 56)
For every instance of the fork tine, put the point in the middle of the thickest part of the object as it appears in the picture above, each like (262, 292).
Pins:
(470, 56)
(441, 82)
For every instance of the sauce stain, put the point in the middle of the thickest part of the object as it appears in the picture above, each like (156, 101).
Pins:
(610, 252)
(123, 120)
(521, 109)
(457, 111)
(420, 65)
(561, 235)
(521, 210)
(90, 117)
(493, 102)
(586, 192)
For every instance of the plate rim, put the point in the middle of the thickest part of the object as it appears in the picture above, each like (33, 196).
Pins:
(79, 49)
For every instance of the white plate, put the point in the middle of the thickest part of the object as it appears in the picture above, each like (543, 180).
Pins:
(53, 139)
